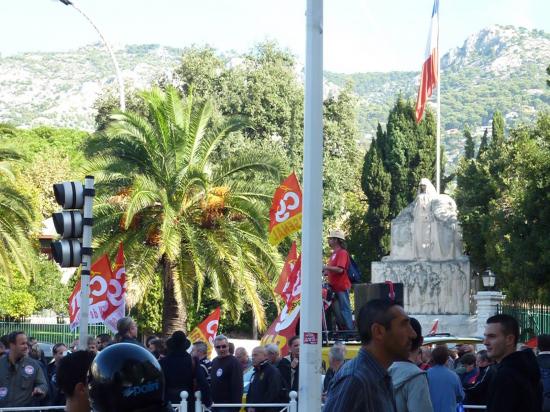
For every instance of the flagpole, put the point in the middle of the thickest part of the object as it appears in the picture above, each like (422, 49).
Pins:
(438, 138)
(312, 220)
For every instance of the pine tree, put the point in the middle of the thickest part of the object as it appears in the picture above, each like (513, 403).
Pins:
(469, 147)
(393, 167)
(408, 153)
(376, 183)
(497, 137)
(484, 143)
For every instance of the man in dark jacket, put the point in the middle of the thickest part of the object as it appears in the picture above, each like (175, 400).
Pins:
(266, 385)
(282, 364)
(127, 330)
(226, 376)
(476, 393)
(543, 359)
(516, 386)
(182, 373)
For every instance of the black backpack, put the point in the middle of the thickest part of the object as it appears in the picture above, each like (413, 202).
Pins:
(354, 274)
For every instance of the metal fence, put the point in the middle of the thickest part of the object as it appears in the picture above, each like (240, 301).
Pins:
(533, 318)
(52, 333)
(291, 406)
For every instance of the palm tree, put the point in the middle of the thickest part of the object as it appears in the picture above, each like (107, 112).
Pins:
(178, 213)
(16, 215)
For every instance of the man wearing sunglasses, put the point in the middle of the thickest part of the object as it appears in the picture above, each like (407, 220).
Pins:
(226, 376)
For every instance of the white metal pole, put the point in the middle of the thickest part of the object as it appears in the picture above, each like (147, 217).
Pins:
(438, 138)
(122, 96)
(312, 223)
(86, 262)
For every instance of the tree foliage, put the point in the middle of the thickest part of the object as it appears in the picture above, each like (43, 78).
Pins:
(47, 289)
(469, 148)
(179, 213)
(503, 206)
(396, 161)
(17, 216)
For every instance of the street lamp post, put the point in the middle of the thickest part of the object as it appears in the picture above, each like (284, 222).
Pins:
(487, 301)
(113, 58)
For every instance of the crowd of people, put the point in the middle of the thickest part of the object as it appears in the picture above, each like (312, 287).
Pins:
(69, 378)
(392, 371)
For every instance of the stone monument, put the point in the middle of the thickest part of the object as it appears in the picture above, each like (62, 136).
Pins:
(427, 257)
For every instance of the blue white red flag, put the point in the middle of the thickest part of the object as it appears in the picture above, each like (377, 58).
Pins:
(429, 76)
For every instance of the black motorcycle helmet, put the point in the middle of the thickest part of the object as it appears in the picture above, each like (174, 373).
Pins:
(125, 377)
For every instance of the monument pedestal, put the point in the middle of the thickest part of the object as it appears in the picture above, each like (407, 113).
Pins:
(487, 306)
(432, 290)
(429, 288)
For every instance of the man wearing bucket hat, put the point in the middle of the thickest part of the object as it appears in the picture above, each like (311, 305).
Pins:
(336, 270)
(182, 372)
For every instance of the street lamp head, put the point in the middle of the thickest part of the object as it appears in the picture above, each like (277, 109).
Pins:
(66, 2)
(488, 278)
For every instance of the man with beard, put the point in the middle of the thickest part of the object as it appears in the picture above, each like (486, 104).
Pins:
(363, 383)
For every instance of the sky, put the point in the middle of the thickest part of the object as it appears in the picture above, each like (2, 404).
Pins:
(359, 35)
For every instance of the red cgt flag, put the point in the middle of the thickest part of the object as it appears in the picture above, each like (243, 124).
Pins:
(116, 294)
(290, 261)
(206, 330)
(285, 215)
(293, 286)
(283, 328)
(99, 283)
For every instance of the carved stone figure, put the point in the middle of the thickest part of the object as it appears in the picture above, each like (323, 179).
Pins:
(427, 229)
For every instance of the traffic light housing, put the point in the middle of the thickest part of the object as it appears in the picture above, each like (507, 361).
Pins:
(69, 223)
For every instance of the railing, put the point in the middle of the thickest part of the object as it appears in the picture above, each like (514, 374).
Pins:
(33, 408)
(52, 333)
(533, 318)
(291, 406)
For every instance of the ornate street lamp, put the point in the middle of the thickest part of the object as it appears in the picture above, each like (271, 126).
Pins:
(488, 278)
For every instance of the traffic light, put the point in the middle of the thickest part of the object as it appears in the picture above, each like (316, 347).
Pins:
(70, 223)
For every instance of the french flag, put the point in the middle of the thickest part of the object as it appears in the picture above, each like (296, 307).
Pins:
(428, 79)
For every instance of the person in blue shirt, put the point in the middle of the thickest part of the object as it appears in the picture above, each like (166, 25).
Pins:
(445, 387)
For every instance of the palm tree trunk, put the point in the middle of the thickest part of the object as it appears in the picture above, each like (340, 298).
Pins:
(174, 312)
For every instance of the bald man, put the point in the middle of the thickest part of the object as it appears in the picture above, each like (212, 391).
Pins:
(266, 385)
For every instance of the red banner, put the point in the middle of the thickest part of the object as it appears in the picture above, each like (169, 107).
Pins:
(282, 329)
(206, 330)
(116, 294)
(285, 215)
(293, 286)
(287, 269)
(99, 284)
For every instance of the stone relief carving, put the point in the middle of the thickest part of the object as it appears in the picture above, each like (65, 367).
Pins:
(429, 288)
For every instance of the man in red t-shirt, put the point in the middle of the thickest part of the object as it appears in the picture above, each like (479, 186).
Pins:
(337, 271)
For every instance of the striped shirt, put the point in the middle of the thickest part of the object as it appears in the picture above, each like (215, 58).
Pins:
(361, 385)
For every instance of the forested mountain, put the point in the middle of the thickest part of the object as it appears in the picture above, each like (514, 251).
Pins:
(59, 89)
(501, 67)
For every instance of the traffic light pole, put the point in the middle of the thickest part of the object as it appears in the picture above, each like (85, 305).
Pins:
(86, 262)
